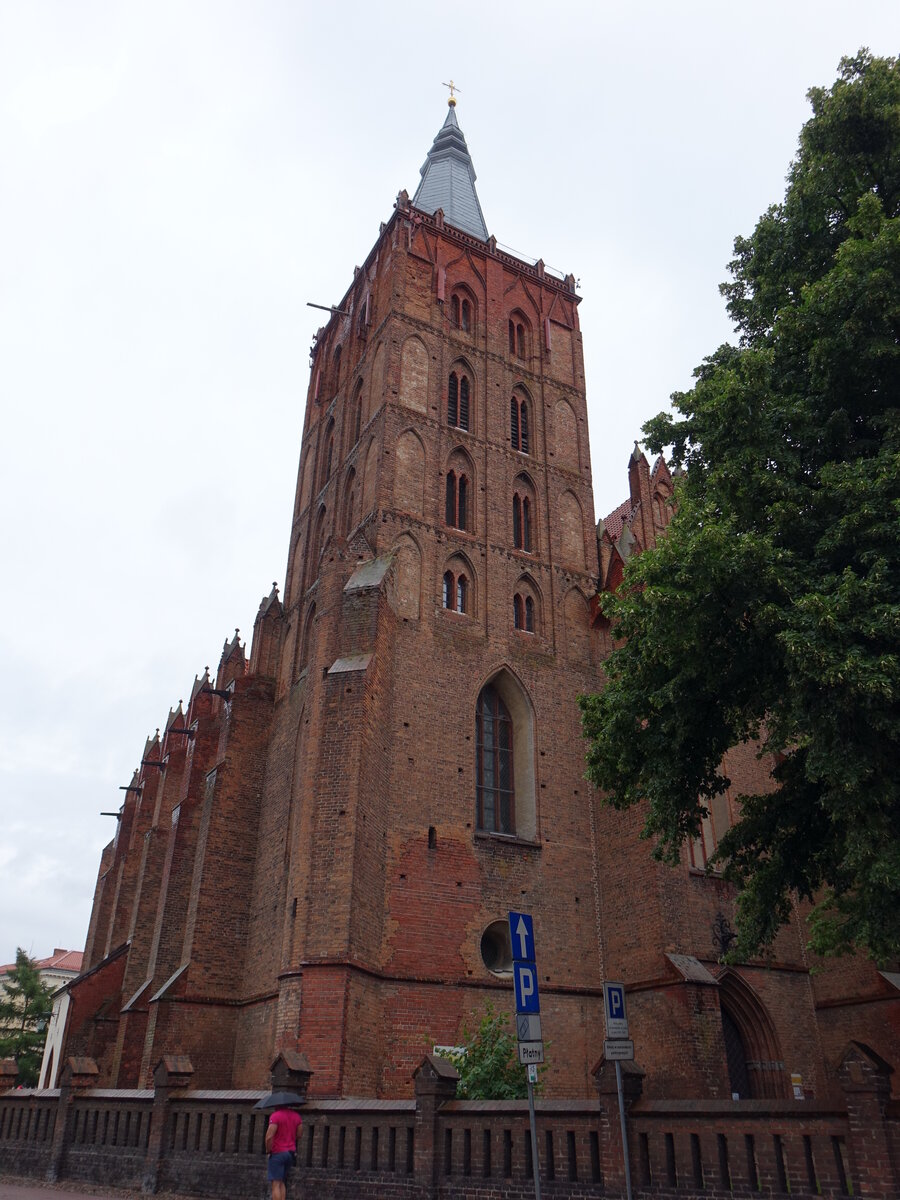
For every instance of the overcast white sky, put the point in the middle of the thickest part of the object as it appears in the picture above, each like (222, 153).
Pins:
(178, 179)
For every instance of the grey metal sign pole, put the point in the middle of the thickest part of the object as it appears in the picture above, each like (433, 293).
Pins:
(618, 1046)
(619, 1089)
(535, 1166)
(528, 1019)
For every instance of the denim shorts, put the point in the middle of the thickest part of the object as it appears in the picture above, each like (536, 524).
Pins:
(280, 1166)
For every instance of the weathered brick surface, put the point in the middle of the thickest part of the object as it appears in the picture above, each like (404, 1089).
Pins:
(211, 1144)
(306, 872)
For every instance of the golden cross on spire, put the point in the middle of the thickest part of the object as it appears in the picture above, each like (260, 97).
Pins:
(453, 88)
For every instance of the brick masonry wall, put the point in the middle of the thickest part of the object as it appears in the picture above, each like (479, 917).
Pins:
(212, 1144)
(309, 861)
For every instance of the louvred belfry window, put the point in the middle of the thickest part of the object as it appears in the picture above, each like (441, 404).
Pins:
(458, 400)
(457, 500)
(522, 523)
(518, 424)
(494, 763)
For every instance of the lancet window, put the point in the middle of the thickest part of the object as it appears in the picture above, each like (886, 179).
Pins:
(496, 796)
(456, 509)
(518, 423)
(458, 389)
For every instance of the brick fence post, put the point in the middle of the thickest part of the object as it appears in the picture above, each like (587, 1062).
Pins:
(78, 1075)
(290, 1072)
(865, 1080)
(612, 1159)
(9, 1074)
(172, 1073)
(435, 1083)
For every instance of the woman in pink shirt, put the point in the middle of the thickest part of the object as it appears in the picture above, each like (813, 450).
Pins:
(282, 1142)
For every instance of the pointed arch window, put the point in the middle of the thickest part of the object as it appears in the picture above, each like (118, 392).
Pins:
(306, 641)
(349, 503)
(456, 508)
(327, 454)
(316, 546)
(718, 820)
(517, 341)
(336, 369)
(456, 591)
(523, 612)
(458, 400)
(518, 423)
(494, 760)
(522, 522)
(462, 312)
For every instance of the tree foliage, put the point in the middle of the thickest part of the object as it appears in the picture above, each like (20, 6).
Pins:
(771, 610)
(489, 1068)
(24, 1014)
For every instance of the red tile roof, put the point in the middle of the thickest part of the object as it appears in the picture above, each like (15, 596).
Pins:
(617, 518)
(59, 960)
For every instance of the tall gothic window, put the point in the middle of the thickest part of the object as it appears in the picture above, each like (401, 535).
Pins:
(522, 522)
(456, 592)
(457, 500)
(523, 612)
(349, 503)
(518, 423)
(494, 763)
(327, 454)
(458, 400)
(516, 337)
(461, 312)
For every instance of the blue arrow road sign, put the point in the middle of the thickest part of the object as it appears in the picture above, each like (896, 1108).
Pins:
(521, 935)
(525, 980)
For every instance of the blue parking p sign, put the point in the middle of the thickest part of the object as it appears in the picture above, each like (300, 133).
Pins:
(526, 984)
(614, 1010)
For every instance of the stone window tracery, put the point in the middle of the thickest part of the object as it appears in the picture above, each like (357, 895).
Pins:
(494, 763)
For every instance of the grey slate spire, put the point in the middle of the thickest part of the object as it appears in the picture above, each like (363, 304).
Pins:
(448, 180)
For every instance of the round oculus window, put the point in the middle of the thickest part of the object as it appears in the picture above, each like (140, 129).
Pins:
(496, 950)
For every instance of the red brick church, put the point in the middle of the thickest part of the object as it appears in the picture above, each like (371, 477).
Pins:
(319, 851)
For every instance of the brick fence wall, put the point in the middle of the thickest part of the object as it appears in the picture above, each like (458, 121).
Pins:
(211, 1143)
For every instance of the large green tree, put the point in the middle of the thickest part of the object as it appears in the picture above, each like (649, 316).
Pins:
(771, 610)
(24, 1015)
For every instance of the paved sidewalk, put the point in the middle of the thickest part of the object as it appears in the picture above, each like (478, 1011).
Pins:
(38, 1189)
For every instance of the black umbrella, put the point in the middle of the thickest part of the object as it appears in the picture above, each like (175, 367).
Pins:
(280, 1100)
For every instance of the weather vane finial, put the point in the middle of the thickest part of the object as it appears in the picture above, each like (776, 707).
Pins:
(453, 88)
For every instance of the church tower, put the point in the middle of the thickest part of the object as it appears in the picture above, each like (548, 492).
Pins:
(318, 853)
(426, 771)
